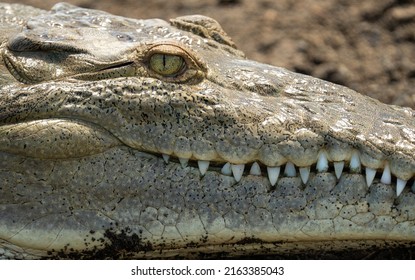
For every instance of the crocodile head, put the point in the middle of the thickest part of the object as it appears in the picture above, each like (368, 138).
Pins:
(145, 138)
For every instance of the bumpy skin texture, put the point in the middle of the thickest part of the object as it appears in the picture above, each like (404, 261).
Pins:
(85, 120)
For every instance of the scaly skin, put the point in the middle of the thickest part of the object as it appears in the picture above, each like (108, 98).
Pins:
(91, 137)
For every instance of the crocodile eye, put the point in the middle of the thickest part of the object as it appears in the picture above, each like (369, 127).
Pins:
(172, 63)
(167, 64)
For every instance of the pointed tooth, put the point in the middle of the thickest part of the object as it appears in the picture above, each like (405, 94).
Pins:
(304, 173)
(400, 185)
(237, 170)
(355, 162)
(273, 174)
(386, 175)
(322, 162)
(166, 158)
(183, 162)
(338, 168)
(289, 170)
(255, 169)
(203, 166)
(370, 175)
(226, 169)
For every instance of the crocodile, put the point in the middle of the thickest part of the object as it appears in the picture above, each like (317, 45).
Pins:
(133, 138)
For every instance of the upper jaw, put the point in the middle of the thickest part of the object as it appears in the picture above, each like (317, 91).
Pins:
(274, 147)
(244, 112)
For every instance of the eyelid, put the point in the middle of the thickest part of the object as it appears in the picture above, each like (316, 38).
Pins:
(167, 49)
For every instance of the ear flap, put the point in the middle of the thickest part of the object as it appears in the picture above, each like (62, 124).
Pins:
(205, 27)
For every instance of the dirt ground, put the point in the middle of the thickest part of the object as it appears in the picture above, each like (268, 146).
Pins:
(366, 45)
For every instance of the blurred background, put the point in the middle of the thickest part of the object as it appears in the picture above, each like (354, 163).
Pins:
(366, 45)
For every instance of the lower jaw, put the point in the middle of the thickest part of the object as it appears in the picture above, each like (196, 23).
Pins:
(156, 209)
(317, 249)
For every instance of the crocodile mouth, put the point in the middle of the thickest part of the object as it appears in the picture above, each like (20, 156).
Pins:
(274, 173)
(67, 139)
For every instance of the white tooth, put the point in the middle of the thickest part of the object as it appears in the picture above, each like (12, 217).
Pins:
(226, 169)
(166, 158)
(386, 176)
(370, 175)
(355, 162)
(338, 168)
(304, 174)
(400, 185)
(273, 174)
(237, 170)
(255, 169)
(183, 162)
(322, 162)
(203, 166)
(289, 170)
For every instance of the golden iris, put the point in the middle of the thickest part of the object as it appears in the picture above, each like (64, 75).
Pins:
(166, 64)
